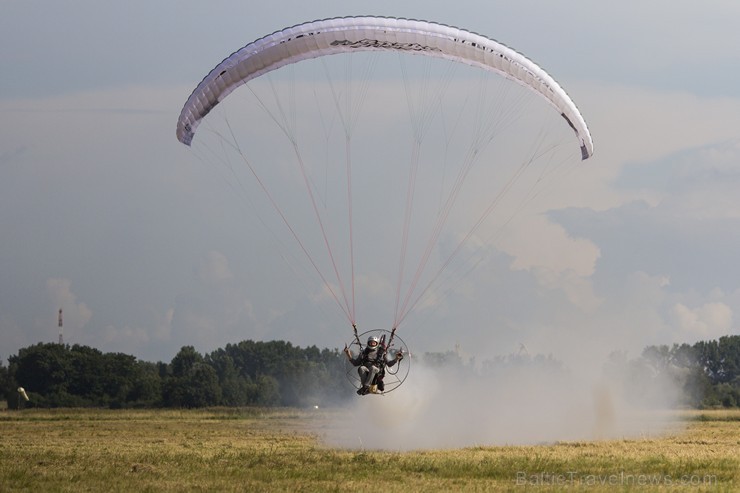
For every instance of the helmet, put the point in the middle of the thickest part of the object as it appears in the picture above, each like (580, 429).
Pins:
(372, 341)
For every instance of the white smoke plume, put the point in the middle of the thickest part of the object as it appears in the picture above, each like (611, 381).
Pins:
(513, 401)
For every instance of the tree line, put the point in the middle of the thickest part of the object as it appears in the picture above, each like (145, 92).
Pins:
(702, 375)
(249, 373)
(277, 373)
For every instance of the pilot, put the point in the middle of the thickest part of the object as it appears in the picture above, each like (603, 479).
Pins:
(371, 363)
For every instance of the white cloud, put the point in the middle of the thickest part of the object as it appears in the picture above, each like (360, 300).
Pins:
(76, 314)
(703, 182)
(705, 322)
(633, 125)
(535, 242)
(163, 326)
(125, 339)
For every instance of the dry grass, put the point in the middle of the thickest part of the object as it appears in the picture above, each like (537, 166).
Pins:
(256, 450)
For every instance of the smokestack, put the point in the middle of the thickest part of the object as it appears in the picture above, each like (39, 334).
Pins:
(61, 337)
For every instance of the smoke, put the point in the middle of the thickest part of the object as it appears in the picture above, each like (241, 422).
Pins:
(513, 400)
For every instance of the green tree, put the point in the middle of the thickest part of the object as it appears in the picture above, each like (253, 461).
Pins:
(185, 360)
(236, 389)
(5, 383)
(191, 382)
(147, 386)
(122, 375)
(268, 391)
(87, 376)
(44, 370)
(202, 387)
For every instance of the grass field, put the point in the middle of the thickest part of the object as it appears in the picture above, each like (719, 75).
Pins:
(273, 450)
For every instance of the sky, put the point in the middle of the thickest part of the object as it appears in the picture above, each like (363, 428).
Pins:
(103, 213)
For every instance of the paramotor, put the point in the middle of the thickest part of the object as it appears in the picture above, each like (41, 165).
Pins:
(467, 125)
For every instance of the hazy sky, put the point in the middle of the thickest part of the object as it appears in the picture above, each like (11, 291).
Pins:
(105, 214)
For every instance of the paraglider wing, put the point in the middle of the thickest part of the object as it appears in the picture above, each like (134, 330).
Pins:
(347, 34)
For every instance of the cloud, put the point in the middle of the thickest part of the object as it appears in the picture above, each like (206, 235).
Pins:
(76, 314)
(705, 322)
(214, 311)
(697, 183)
(214, 268)
(125, 339)
(634, 128)
(536, 242)
(144, 342)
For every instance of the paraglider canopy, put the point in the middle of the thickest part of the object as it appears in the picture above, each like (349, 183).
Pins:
(347, 34)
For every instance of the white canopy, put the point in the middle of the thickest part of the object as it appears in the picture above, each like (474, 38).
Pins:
(348, 34)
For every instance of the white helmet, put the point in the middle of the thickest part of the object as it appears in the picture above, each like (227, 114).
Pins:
(372, 341)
